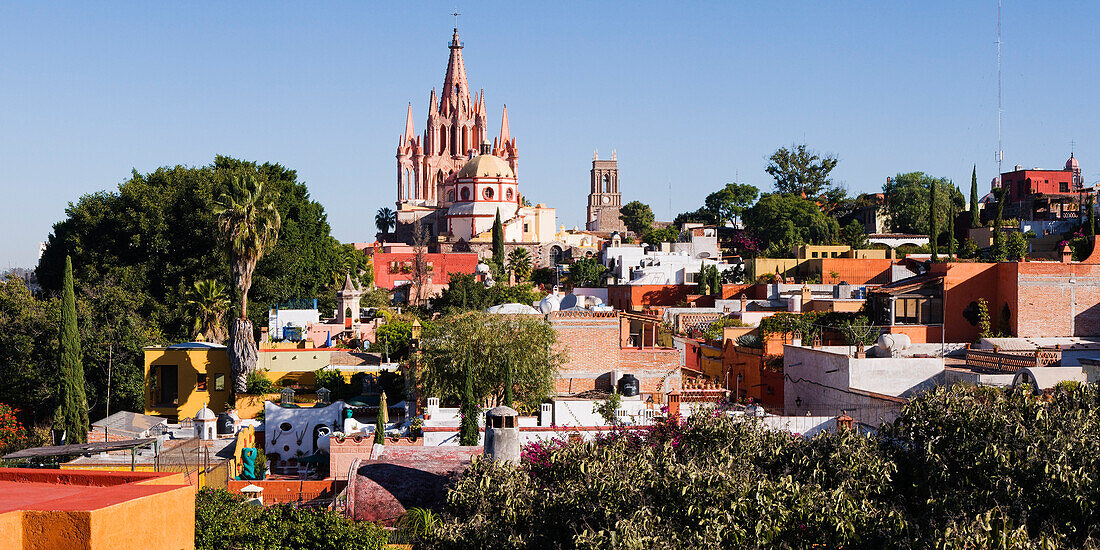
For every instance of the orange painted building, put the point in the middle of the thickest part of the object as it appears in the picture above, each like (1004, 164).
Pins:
(89, 510)
(1025, 299)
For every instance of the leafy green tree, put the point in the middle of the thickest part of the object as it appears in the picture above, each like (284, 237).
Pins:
(907, 202)
(664, 235)
(71, 416)
(969, 249)
(28, 350)
(498, 241)
(385, 220)
(157, 234)
(492, 346)
(702, 215)
(392, 339)
(975, 216)
(208, 301)
(728, 203)
(784, 221)
(587, 273)
(1016, 246)
(249, 221)
(799, 171)
(854, 235)
(465, 293)
(136, 252)
(638, 217)
(519, 262)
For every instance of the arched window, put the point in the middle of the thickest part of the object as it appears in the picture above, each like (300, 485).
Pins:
(465, 193)
(442, 139)
(555, 255)
(454, 139)
(509, 194)
(488, 193)
(465, 137)
(607, 183)
(451, 195)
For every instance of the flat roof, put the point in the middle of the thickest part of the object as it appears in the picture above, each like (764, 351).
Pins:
(75, 490)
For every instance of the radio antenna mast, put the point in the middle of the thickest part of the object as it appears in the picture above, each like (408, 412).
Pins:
(1000, 109)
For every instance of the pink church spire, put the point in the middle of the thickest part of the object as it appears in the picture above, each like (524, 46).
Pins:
(409, 132)
(505, 133)
(456, 91)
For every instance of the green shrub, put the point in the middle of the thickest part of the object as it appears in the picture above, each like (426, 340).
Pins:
(258, 383)
(224, 520)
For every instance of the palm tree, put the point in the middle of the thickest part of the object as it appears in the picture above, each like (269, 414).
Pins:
(385, 219)
(208, 302)
(519, 261)
(250, 224)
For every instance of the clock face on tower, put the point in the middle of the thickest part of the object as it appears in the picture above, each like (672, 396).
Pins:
(607, 200)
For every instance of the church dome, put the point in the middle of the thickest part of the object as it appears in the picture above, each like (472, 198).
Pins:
(1072, 163)
(486, 166)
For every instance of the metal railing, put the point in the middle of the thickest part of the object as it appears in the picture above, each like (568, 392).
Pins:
(1007, 361)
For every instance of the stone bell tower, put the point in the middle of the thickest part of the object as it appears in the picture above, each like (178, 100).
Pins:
(604, 199)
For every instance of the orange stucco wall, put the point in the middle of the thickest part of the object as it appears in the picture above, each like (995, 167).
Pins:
(72, 509)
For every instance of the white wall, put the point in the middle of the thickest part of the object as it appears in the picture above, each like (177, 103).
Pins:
(279, 318)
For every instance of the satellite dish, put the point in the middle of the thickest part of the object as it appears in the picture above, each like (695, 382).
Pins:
(570, 301)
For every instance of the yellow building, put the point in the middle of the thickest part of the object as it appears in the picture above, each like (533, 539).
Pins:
(180, 378)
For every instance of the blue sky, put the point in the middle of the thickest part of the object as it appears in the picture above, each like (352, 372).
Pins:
(690, 95)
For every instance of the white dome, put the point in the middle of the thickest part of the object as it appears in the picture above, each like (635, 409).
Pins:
(205, 414)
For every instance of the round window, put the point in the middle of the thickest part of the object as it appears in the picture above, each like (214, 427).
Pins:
(488, 192)
(465, 193)
(509, 194)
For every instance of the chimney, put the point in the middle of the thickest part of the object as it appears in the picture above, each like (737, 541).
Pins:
(1067, 254)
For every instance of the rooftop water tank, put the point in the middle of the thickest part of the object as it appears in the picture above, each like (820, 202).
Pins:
(629, 386)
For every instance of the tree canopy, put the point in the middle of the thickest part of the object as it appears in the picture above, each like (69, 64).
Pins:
(962, 467)
(465, 293)
(800, 171)
(907, 202)
(490, 345)
(782, 221)
(637, 216)
(157, 235)
(729, 202)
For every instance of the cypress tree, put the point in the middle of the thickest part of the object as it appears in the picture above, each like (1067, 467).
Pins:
(468, 430)
(379, 430)
(933, 233)
(975, 218)
(498, 241)
(71, 415)
(951, 232)
(508, 383)
(1090, 217)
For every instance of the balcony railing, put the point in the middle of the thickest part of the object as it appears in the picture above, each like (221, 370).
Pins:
(1007, 361)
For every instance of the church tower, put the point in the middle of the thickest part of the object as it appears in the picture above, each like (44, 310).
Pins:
(604, 199)
(457, 125)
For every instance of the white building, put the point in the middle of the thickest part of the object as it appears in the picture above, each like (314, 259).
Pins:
(676, 263)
